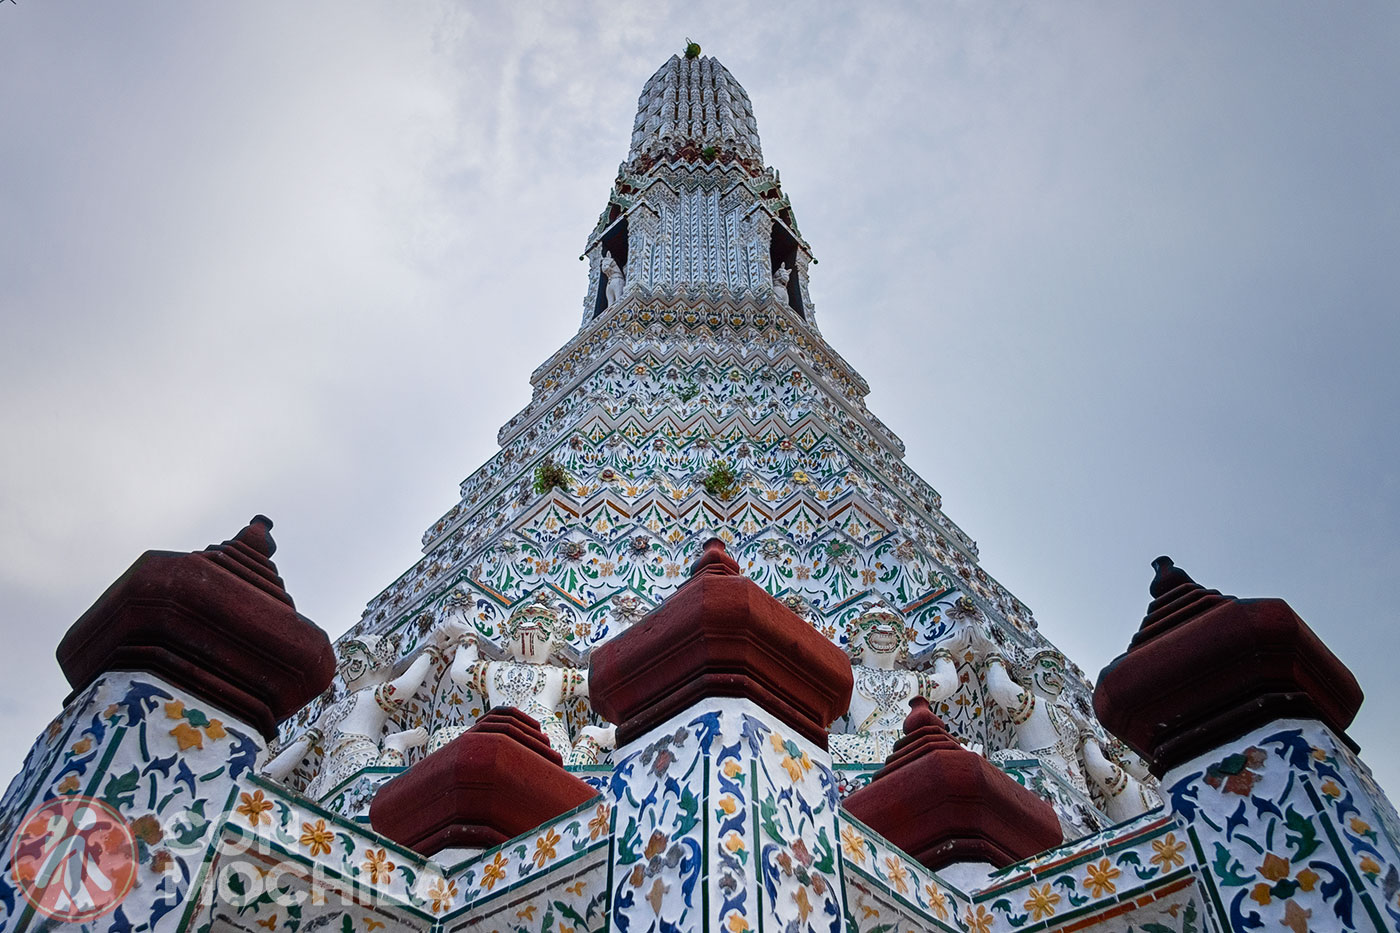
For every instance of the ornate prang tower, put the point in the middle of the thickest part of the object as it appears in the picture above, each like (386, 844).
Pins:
(699, 399)
(695, 652)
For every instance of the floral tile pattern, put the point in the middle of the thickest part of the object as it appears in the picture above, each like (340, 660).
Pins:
(1290, 832)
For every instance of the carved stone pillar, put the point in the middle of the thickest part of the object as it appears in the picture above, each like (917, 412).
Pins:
(1242, 711)
(179, 670)
(725, 802)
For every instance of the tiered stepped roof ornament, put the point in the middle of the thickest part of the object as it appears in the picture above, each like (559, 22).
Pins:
(945, 805)
(1206, 668)
(217, 622)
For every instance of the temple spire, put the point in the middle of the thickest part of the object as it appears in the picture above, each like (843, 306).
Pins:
(692, 104)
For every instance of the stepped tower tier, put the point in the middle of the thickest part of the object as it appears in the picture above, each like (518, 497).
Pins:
(698, 400)
(693, 213)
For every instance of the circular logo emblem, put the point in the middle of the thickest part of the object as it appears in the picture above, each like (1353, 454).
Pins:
(74, 858)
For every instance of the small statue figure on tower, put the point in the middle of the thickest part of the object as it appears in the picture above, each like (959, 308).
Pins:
(1041, 726)
(528, 682)
(1124, 796)
(352, 726)
(781, 276)
(877, 640)
(617, 280)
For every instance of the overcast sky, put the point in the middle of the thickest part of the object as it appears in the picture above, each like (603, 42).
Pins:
(1123, 277)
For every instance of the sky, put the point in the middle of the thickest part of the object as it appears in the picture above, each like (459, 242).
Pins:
(1121, 275)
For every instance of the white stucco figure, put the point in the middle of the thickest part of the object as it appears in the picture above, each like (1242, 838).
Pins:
(1041, 727)
(781, 275)
(617, 280)
(880, 701)
(529, 682)
(282, 765)
(1124, 796)
(352, 728)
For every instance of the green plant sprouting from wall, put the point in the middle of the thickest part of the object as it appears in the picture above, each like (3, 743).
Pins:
(721, 482)
(550, 475)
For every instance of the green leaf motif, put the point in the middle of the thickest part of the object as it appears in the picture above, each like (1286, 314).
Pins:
(122, 790)
(827, 862)
(1071, 889)
(1227, 868)
(569, 913)
(190, 827)
(767, 811)
(627, 845)
(1303, 835)
(689, 815)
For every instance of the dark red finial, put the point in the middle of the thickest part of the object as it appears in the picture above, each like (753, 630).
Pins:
(719, 635)
(1205, 668)
(1169, 577)
(944, 804)
(493, 782)
(920, 714)
(256, 535)
(217, 623)
(714, 559)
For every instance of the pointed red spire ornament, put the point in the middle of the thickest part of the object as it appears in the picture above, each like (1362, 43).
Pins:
(944, 805)
(720, 635)
(493, 782)
(218, 623)
(1204, 668)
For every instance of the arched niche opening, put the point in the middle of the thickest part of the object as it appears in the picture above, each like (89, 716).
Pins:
(614, 243)
(783, 251)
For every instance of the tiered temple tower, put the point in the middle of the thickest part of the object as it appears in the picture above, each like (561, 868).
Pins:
(695, 652)
(699, 399)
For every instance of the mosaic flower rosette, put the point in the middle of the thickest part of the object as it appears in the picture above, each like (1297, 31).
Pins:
(886, 890)
(1144, 865)
(1289, 839)
(318, 860)
(166, 763)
